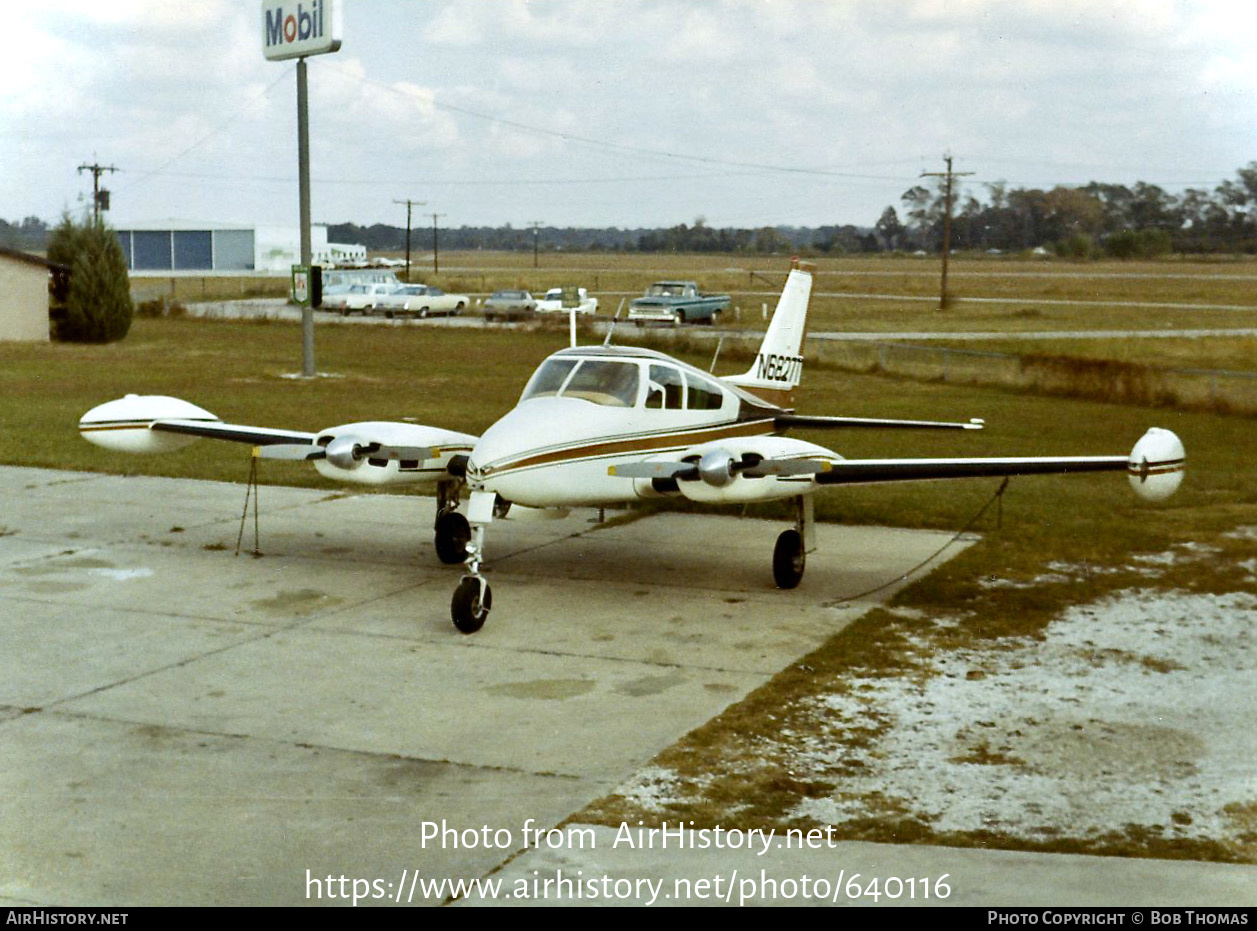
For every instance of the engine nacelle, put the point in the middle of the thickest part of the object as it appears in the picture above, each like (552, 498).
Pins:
(719, 482)
(349, 458)
(123, 425)
(1156, 465)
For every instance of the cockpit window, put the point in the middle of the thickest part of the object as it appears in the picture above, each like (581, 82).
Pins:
(547, 380)
(610, 383)
(602, 382)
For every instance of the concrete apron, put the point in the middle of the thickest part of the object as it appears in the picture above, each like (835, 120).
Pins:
(183, 726)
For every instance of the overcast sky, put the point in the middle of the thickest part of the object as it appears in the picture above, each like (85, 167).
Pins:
(620, 113)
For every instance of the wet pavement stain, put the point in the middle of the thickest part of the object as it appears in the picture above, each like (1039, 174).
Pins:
(548, 689)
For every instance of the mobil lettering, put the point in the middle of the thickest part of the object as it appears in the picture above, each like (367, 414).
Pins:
(288, 26)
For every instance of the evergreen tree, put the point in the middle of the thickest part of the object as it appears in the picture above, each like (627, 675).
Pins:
(98, 307)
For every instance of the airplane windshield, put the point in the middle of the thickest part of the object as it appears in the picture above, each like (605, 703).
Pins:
(613, 384)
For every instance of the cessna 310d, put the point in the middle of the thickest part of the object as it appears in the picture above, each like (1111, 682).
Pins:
(605, 425)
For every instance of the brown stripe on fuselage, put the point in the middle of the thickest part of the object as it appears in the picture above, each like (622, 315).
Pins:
(643, 444)
(781, 397)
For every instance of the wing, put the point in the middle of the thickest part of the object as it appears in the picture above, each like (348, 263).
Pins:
(373, 452)
(758, 468)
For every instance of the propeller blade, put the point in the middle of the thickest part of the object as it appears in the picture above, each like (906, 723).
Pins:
(293, 451)
(781, 467)
(654, 469)
(420, 453)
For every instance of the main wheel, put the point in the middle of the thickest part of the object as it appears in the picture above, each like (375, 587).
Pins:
(789, 559)
(453, 532)
(468, 608)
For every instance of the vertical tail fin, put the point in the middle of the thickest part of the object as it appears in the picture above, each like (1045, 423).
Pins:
(778, 366)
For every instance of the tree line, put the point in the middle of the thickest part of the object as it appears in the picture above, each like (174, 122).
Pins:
(1113, 219)
(1141, 220)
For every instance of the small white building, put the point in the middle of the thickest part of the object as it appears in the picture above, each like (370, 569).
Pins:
(25, 283)
(164, 247)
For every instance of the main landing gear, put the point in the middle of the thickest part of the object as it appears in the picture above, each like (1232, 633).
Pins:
(452, 529)
(790, 553)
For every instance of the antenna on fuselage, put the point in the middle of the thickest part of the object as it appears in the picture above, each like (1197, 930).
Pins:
(611, 329)
(720, 342)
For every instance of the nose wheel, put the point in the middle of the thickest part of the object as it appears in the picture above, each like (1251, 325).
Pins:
(473, 598)
(471, 603)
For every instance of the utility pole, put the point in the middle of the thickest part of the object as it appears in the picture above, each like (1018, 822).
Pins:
(100, 198)
(943, 297)
(409, 204)
(536, 232)
(436, 249)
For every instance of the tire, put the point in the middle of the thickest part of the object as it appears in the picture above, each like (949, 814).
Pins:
(423, 313)
(467, 610)
(789, 559)
(453, 532)
(678, 318)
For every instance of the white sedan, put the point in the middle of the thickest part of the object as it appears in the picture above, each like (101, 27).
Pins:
(419, 300)
(553, 302)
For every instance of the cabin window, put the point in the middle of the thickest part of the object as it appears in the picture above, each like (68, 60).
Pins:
(704, 395)
(666, 390)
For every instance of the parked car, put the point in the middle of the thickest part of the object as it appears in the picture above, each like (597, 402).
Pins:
(553, 302)
(418, 300)
(358, 298)
(509, 304)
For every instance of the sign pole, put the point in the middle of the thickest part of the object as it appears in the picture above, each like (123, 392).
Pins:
(307, 252)
(311, 28)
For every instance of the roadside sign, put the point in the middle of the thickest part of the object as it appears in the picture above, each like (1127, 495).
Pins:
(301, 285)
(297, 29)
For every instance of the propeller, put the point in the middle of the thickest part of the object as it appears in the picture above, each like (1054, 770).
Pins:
(717, 467)
(346, 452)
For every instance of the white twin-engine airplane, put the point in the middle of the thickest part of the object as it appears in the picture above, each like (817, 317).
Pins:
(606, 425)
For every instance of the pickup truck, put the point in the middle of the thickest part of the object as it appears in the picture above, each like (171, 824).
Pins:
(676, 302)
(553, 301)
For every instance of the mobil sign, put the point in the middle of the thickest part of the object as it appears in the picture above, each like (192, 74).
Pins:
(296, 29)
